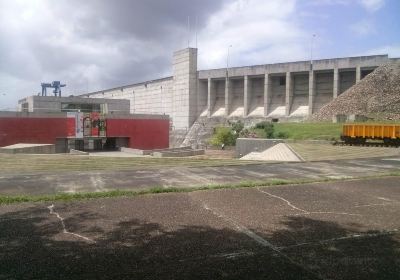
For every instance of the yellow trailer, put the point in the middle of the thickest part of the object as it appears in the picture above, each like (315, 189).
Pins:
(359, 133)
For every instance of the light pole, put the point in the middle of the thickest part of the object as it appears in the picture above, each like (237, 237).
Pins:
(227, 60)
(311, 51)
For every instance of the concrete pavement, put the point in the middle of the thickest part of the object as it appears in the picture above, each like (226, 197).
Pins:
(142, 178)
(337, 230)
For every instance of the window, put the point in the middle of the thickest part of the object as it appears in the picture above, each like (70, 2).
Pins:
(25, 107)
(85, 108)
(282, 81)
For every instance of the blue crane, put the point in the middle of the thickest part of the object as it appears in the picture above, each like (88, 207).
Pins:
(55, 84)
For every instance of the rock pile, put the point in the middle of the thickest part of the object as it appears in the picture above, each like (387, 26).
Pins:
(376, 96)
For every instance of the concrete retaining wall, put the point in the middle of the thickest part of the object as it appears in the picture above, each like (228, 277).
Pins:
(183, 153)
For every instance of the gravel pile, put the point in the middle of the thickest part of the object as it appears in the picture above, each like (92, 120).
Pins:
(376, 96)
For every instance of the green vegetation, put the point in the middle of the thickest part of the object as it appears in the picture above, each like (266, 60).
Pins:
(4, 199)
(223, 135)
(296, 131)
(267, 130)
(129, 193)
(227, 135)
(299, 131)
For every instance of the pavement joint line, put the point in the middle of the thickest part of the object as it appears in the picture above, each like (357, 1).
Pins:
(226, 255)
(385, 199)
(52, 212)
(261, 241)
(327, 212)
(374, 204)
(349, 237)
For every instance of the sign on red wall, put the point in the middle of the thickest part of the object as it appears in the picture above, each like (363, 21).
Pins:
(75, 124)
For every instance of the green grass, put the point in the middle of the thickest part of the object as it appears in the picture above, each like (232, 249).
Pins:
(5, 199)
(9, 199)
(306, 131)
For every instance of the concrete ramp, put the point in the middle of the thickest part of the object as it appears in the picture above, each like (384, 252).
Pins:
(23, 148)
(279, 152)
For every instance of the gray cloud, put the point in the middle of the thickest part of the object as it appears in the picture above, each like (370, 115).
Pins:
(146, 19)
(91, 44)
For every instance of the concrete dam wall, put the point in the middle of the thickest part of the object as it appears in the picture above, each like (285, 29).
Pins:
(287, 91)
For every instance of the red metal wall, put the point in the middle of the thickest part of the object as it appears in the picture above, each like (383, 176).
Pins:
(33, 130)
(143, 133)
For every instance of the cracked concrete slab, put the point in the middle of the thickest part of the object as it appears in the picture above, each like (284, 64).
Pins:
(279, 232)
(137, 179)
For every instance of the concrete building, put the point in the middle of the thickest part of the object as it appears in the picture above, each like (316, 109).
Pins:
(286, 91)
(82, 124)
(48, 104)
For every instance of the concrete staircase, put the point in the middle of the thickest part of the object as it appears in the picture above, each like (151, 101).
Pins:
(176, 137)
(201, 130)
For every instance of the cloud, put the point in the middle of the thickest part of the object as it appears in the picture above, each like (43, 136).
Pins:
(363, 27)
(90, 44)
(372, 5)
(328, 2)
(259, 32)
(392, 50)
(369, 5)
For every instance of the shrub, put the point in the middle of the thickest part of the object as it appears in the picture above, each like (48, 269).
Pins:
(244, 133)
(223, 135)
(262, 125)
(237, 127)
(269, 130)
(282, 135)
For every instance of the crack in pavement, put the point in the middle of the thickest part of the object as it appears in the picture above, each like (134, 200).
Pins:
(348, 237)
(285, 200)
(52, 212)
(305, 212)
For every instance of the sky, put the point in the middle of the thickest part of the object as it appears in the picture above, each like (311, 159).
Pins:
(98, 44)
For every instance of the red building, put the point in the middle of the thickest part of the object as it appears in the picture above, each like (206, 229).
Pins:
(85, 131)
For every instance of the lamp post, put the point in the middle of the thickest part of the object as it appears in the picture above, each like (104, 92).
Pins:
(227, 60)
(311, 51)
